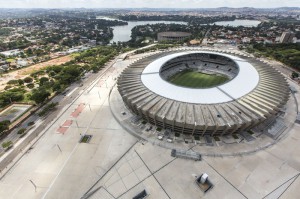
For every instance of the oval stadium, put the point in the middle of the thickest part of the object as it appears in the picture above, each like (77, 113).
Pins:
(202, 92)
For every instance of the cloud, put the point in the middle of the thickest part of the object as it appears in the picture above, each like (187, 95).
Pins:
(145, 3)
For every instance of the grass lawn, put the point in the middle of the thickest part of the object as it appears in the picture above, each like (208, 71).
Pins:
(195, 79)
(10, 60)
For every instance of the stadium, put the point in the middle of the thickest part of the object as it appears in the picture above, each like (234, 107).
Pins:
(172, 36)
(203, 92)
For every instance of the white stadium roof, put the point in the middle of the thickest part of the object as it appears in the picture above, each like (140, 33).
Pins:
(246, 80)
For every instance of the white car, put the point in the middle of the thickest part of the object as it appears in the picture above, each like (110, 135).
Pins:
(160, 137)
(169, 140)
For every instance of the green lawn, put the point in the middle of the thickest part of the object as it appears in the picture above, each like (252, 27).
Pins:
(194, 79)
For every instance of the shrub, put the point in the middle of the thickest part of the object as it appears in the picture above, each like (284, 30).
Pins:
(52, 73)
(7, 144)
(30, 123)
(13, 81)
(30, 85)
(7, 87)
(43, 80)
(28, 79)
(48, 108)
(20, 81)
(295, 74)
(4, 125)
(37, 73)
(21, 131)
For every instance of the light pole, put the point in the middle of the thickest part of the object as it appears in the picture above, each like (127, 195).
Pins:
(34, 185)
(76, 123)
(59, 148)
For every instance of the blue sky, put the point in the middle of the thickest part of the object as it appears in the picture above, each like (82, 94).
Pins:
(146, 3)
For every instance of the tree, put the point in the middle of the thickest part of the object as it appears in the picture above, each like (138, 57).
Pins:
(13, 81)
(21, 82)
(43, 80)
(56, 86)
(7, 144)
(28, 79)
(295, 74)
(7, 87)
(69, 74)
(56, 69)
(52, 73)
(4, 126)
(12, 95)
(40, 95)
(21, 131)
(30, 85)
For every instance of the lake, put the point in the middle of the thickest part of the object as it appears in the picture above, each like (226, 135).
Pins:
(123, 33)
(235, 23)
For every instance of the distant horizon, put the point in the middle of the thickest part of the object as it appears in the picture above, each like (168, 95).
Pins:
(146, 4)
(154, 8)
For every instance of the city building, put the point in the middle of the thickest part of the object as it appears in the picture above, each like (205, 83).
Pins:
(195, 42)
(22, 63)
(287, 37)
(173, 36)
(11, 52)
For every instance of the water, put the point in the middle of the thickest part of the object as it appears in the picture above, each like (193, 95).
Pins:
(236, 23)
(107, 18)
(123, 33)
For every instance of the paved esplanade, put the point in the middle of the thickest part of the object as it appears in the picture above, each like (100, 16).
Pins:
(70, 173)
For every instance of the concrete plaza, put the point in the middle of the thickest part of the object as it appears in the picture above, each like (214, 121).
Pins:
(116, 164)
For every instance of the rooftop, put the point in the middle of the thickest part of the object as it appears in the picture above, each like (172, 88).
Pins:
(245, 81)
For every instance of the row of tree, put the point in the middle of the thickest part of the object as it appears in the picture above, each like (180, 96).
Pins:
(288, 54)
(56, 79)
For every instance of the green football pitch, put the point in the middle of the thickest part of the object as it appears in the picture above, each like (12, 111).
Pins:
(195, 79)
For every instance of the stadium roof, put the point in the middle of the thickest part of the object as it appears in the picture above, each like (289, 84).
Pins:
(246, 80)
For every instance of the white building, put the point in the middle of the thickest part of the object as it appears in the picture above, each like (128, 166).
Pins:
(287, 37)
(9, 53)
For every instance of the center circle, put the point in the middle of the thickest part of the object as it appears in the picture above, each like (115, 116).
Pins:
(199, 70)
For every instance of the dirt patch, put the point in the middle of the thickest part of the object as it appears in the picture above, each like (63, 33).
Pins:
(22, 73)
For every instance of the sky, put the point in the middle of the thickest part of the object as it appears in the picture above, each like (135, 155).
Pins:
(147, 3)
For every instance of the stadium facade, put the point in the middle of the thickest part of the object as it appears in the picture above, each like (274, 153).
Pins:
(172, 36)
(254, 92)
